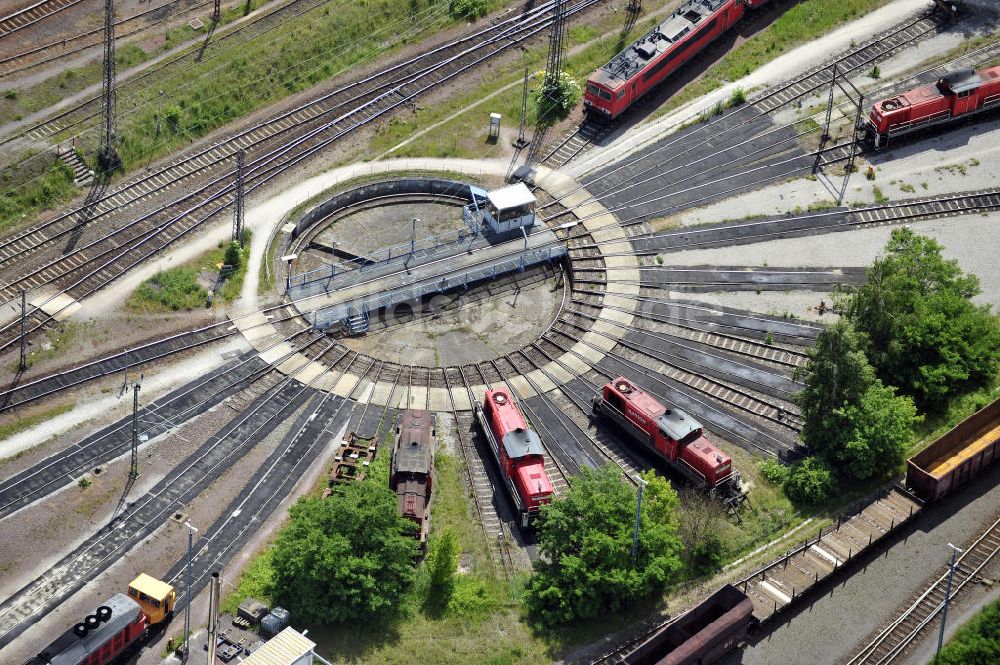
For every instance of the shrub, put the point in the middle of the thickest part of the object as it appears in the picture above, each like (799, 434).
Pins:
(234, 255)
(809, 481)
(469, 10)
(585, 537)
(774, 472)
(738, 97)
(556, 98)
(84, 483)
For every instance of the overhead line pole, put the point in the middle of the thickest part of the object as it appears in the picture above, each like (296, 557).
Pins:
(107, 157)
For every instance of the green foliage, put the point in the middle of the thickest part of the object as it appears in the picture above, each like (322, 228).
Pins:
(922, 332)
(774, 472)
(585, 538)
(977, 642)
(22, 198)
(737, 98)
(256, 581)
(169, 291)
(233, 256)
(28, 422)
(700, 531)
(853, 423)
(84, 482)
(346, 557)
(442, 559)
(879, 432)
(556, 98)
(468, 10)
(809, 481)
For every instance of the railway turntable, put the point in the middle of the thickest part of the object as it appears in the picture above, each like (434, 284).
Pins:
(498, 235)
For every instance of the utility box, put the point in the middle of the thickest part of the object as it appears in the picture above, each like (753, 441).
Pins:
(510, 208)
(494, 126)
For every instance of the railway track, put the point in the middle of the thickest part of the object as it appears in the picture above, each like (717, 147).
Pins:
(32, 15)
(91, 266)
(980, 201)
(143, 516)
(587, 134)
(480, 481)
(893, 640)
(237, 385)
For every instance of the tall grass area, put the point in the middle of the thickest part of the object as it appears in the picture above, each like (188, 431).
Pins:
(169, 291)
(27, 192)
(182, 104)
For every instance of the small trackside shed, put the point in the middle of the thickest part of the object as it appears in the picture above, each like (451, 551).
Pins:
(510, 208)
(958, 456)
(701, 636)
(289, 647)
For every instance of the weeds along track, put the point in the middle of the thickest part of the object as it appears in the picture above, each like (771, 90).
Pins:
(290, 139)
(275, 404)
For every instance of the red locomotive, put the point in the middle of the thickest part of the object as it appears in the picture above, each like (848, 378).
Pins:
(672, 435)
(518, 451)
(122, 623)
(412, 467)
(954, 97)
(659, 53)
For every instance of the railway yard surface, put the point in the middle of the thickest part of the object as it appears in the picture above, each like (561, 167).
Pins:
(694, 245)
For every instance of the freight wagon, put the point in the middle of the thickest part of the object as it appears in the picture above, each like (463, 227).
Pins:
(958, 456)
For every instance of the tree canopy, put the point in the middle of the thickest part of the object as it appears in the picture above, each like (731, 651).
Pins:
(921, 331)
(585, 537)
(854, 423)
(346, 557)
(977, 642)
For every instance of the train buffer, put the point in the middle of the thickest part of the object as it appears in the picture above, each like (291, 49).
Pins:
(348, 299)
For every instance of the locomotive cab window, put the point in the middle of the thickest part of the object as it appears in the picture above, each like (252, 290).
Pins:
(964, 94)
(621, 93)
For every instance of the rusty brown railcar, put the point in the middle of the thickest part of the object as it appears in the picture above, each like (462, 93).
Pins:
(702, 635)
(412, 469)
(957, 457)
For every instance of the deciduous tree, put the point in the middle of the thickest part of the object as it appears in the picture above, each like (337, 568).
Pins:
(921, 330)
(346, 557)
(585, 538)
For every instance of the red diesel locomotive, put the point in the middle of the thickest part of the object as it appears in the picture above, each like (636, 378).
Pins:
(411, 475)
(672, 435)
(659, 53)
(952, 98)
(118, 626)
(518, 451)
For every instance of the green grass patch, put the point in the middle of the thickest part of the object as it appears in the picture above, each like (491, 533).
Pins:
(255, 581)
(24, 193)
(169, 291)
(8, 430)
(55, 343)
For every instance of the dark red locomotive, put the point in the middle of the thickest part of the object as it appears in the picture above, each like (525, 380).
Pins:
(952, 98)
(671, 434)
(659, 53)
(411, 475)
(518, 451)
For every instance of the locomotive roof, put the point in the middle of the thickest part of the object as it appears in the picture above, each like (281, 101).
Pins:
(521, 443)
(413, 454)
(72, 650)
(634, 58)
(677, 424)
(962, 80)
